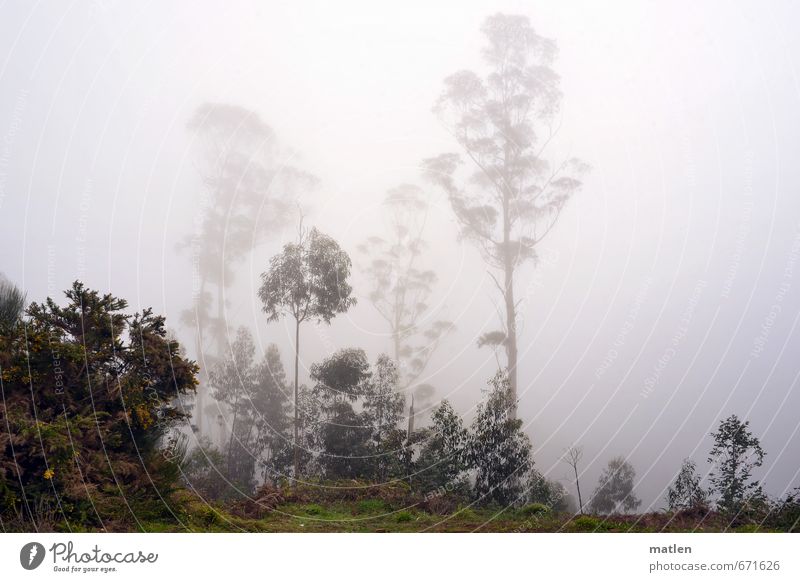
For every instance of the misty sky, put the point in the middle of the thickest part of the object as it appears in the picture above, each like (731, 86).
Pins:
(667, 297)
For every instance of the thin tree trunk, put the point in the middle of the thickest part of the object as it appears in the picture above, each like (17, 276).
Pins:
(410, 419)
(200, 401)
(511, 331)
(404, 385)
(221, 329)
(509, 264)
(396, 346)
(230, 441)
(296, 390)
(381, 465)
(578, 486)
(220, 337)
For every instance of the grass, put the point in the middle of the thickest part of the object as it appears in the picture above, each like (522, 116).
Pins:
(534, 509)
(372, 506)
(339, 509)
(372, 515)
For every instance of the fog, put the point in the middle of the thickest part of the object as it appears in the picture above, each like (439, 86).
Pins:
(665, 298)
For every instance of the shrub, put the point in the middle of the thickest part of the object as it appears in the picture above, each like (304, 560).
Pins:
(90, 395)
(785, 514)
(587, 523)
(551, 494)
(534, 509)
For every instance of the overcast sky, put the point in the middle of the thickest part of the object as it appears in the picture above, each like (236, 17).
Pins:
(668, 294)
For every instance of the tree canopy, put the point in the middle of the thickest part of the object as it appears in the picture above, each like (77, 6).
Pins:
(614, 493)
(308, 280)
(735, 454)
(504, 123)
(91, 395)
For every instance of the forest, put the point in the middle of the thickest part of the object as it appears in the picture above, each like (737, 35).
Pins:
(111, 420)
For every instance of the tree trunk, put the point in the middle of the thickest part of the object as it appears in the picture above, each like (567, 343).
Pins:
(410, 420)
(221, 328)
(200, 400)
(230, 442)
(509, 264)
(221, 337)
(296, 450)
(578, 486)
(382, 458)
(511, 331)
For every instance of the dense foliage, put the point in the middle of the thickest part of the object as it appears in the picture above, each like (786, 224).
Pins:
(258, 409)
(443, 460)
(308, 281)
(90, 394)
(499, 450)
(686, 492)
(735, 454)
(614, 493)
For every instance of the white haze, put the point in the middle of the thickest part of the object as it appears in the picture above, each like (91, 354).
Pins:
(684, 239)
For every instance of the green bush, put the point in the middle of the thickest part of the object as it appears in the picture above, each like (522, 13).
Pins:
(534, 509)
(587, 523)
(467, 513)
(785, 514)
(90, 397)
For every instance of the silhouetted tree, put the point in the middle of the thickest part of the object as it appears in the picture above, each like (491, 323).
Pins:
(307, 281)
(249, 191)
(499, 450)
(272, 404)
(344, 434)
(736, 452)
(383, 409)
(443, 460)
(614, 491)
(233, 383)
(547, 492)
(685, 491)
(401, 288)
(504, 124)
(203, 469)
(349, 443)
(256, 398)
(572, 456)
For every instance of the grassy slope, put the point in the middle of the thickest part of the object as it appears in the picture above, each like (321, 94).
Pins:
(374, 515)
